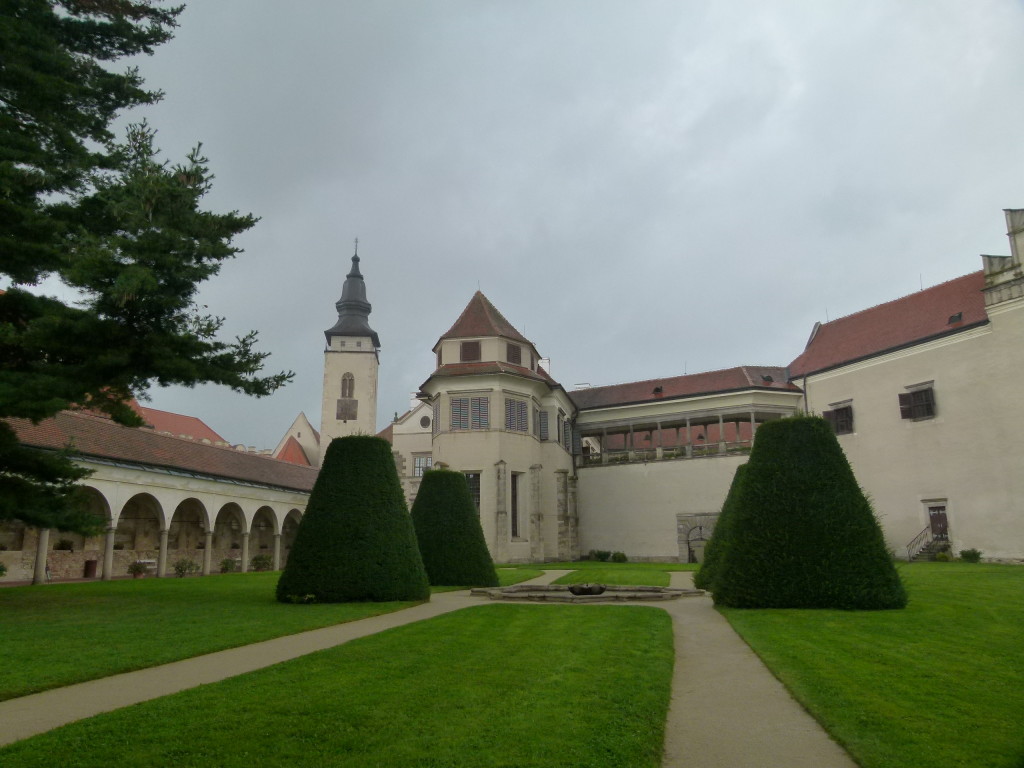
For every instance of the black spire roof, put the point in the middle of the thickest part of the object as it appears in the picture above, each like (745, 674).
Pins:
(353, 309)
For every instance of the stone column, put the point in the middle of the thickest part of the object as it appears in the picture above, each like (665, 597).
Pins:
(604, 446)
(689, 444)
(501, 532)
(108, 555)
(277, 551)
(536, 516)
(245, 552)
(574, 518)
(207, 550)
(161, 555)
(721, 434)
(42, 550)
(659, 451)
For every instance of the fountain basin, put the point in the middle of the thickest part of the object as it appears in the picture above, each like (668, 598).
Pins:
(559, 593)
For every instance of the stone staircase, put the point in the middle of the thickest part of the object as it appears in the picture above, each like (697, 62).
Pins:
(930, 550)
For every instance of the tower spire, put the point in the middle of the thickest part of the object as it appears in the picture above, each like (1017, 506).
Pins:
(353, 308)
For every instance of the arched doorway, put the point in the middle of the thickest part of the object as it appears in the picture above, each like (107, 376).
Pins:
(262, 534)
(227, 537)
(288, 532)
(137, 536)
(186, 535)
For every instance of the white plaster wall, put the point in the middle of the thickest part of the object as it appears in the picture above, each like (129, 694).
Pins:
(632, 508)
(362, 363)
(969, 454)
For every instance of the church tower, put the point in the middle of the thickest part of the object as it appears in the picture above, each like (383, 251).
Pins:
(350, 366)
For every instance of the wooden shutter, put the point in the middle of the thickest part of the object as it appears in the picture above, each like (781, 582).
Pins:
(522, 421)
(479, 413)
(830, 417)
(906, 406)
(514, 354)
(435, 428)
(543, 425)
(460, 413)
(469, 351)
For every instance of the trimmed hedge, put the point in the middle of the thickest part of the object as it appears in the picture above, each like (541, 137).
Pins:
(803, 534)
(705, 577)
(448, 530)
(356, 540)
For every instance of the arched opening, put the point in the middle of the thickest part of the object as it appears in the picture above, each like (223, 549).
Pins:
(348, 385)
(696, 540)
(137, 536)
(12, 536)
(261, 539)
(187, 531)
(227, 536)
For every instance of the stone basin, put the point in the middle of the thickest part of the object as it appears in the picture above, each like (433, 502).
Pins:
(559, 593)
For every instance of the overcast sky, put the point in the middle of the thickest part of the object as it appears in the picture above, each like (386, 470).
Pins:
(641, 188)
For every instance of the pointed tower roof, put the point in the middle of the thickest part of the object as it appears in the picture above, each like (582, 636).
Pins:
(481, 318)
(353, 308)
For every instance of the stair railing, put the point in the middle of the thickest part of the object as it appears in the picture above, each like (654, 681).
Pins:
(919, 542)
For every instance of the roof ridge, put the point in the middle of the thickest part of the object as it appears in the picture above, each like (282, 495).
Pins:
(679, 376)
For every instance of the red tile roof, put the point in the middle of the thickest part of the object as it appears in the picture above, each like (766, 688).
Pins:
(388, 433)
(481, 318)
(292, 452)
(178, 425)
(493, 366)
(887, 327)
(97, 437)
(692, 385)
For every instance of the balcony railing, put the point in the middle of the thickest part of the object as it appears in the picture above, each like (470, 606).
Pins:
(644, 455)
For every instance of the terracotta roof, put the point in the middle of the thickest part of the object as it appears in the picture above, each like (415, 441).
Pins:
(481, 318)
(388, 433)
(292, 453)
(101, 438)
(692, 385)
(178, 425)
(887, 327)
(493, 366)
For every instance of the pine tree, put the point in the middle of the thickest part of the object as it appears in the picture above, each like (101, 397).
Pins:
(109, 220)
(803, 534)
(356, 541)
(448, 530)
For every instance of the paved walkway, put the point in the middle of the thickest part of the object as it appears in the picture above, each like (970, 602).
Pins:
(727, 710)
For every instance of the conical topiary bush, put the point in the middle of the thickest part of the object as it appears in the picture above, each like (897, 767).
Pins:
(704, 578)
(448, 530)
(356, 541)
(803, 534)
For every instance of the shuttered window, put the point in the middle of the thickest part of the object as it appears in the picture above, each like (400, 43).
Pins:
(567, 436)
(479, 413)
(516, 419)
(436, 427)
(469, 351)
(543, 425)
(918, 404)
(841, 419)
(514, 354)
(470, 413)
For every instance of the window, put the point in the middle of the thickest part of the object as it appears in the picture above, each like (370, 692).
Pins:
(435, 429)
(841, 419)
(469, 351)
(514, 504)
(473, 481)
(514, 354)
(439, 357)
(515, 415)
(543, 431)
(348, 385)
(918, 404)
(567, 436)
(470, 413)
(420, 465)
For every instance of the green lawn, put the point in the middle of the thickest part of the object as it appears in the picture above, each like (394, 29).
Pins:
(615, 575)
(494, 685)
(65, 633)
(940, 683)
(509, 576)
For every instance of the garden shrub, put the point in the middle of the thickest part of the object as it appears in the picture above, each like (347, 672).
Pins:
(970, 555)
(3, 570)
(448, 530)
(185, 566)
(619, 557)
(704, 578)
(942, 557)
(227, 565)
(356, 541)
(600, 554)
(803, 534)
(262, 562)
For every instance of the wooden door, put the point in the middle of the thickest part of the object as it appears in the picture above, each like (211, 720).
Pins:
(938, 522)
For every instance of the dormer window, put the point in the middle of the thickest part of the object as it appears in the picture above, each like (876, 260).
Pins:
(469, 352)
(514, 354)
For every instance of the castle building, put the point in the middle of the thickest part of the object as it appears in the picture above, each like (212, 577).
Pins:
(921, 392)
